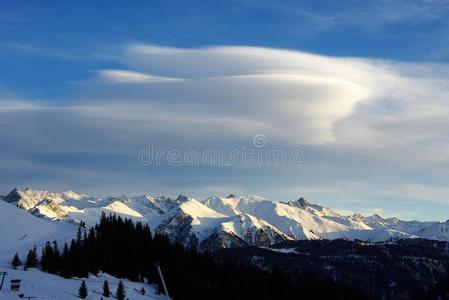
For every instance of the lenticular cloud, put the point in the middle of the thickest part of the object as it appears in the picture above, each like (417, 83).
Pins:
(295, 98)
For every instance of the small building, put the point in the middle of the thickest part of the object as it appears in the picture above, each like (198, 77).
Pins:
(15, 285)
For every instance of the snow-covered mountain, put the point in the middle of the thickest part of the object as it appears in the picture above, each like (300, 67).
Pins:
(223, 222)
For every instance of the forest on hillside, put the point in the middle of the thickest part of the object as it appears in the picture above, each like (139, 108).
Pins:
(129, 250)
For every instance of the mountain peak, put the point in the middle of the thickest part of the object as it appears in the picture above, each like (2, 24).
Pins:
(301, 203)
(248, 216)
(357, 216)
(377, 217)
(182, 198)
(12, 196)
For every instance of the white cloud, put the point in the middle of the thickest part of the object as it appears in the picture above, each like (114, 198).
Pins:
(124, 76)
(293, 97)
(9, 105)
(358, 115)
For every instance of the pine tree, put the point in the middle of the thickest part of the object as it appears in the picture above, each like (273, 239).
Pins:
(47, 258)
(120, 291)
(78, 235)
(31, 260)
(106, 291)
(56, 257)
(82, 291)
(65, 265)
(16, 261)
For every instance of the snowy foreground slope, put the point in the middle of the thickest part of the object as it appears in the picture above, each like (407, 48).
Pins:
(223, 222)
(19, 232)
(48, 286)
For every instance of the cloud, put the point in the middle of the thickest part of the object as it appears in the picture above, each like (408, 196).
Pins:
(276, 91)
(360, 119)
(130, 76)
(369, 16)
(294, 97)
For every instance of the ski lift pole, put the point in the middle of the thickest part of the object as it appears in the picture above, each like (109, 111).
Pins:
(3, 274)
(158, 267)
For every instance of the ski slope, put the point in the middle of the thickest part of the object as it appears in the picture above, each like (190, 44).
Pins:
(45, 286)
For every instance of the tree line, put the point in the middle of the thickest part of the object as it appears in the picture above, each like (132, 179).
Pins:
(125, 249)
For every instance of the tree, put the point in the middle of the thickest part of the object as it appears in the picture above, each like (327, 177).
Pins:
(120, 291)
(126, 250)
(106, 291)
(47, 258)
(78, 235)
(31, 260)
(65, 265)
(82, 291)
(16, 261)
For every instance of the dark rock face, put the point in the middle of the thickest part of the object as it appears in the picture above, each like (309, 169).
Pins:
(179, 230)
(301, 202)
(259, 237)
(220, 240)
(12, 197)
(182, 198)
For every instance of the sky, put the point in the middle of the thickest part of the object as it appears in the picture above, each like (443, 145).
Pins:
(352, 96)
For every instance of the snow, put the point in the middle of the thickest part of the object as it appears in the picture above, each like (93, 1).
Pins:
(21, 230)
(248, 227)
(45, 215)
(47, 286)
(245, 216)
(439, 231)
(283, 250)
(199, 211)
(303, 220)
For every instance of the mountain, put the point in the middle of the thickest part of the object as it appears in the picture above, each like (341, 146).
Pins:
(225, 222)
(301, 219)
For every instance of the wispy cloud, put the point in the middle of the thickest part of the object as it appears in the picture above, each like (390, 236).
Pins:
(361, 15)
(79, 54)
(125, 76)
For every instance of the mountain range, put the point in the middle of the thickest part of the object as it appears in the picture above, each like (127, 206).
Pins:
(225, 222)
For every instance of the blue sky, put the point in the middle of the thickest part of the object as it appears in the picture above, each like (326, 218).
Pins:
(360, 91)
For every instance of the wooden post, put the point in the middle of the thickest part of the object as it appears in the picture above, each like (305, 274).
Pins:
(158, 267)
